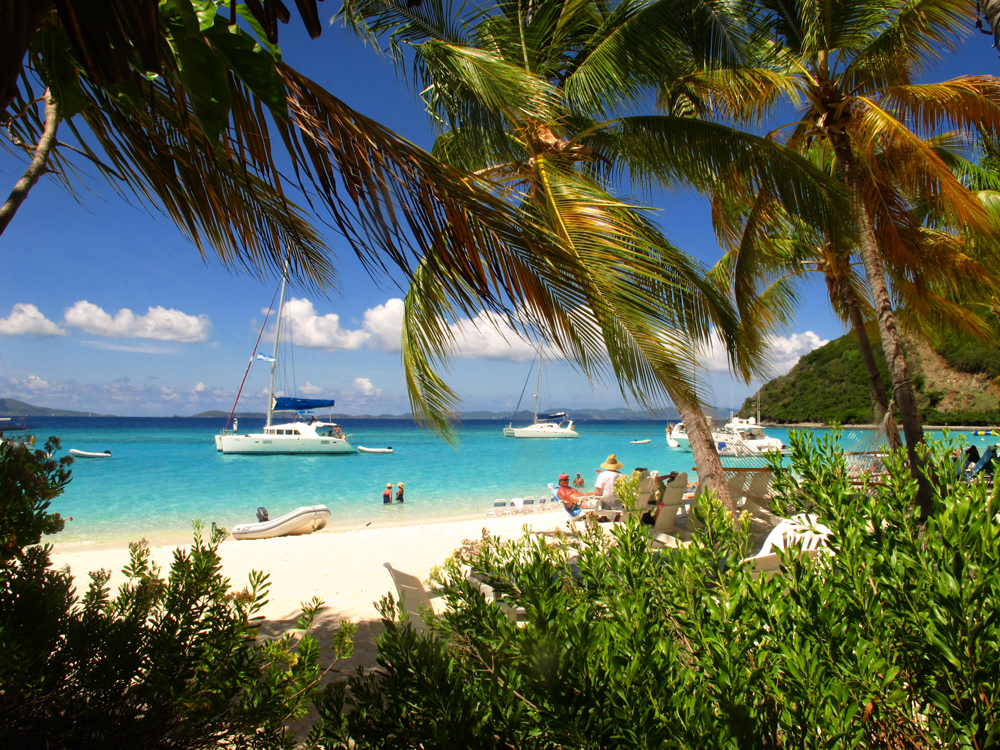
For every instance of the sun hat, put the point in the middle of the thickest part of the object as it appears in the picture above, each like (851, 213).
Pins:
(563, 476)
(388, 485)
(612, 464)
(400, 485)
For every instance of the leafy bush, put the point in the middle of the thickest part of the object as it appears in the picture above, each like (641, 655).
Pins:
(829, 384)
(889, 641)
(168, 662)
(970, 418)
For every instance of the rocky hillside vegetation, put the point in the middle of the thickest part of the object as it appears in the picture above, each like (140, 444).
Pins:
(956, 385)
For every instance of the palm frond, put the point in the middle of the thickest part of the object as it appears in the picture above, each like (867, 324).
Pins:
(968, 103)
(674, 150)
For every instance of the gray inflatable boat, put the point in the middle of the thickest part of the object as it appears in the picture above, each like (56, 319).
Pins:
(304, 520)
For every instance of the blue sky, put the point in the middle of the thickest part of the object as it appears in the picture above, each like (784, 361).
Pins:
(105, 307)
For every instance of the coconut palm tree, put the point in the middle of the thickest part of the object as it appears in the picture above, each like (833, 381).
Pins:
(940, 276)
(535, 95)
(182, 105)
(854, 63)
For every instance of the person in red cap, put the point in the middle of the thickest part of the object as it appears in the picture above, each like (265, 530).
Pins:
(574, 501)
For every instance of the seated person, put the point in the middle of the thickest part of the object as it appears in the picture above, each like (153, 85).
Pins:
(574, 502)
(661, 484)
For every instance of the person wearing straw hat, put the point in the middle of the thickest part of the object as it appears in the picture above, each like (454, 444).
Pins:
(399, 493)
(387, 494)
(605, 486)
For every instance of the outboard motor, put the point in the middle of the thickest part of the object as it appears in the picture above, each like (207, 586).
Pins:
(262, 514)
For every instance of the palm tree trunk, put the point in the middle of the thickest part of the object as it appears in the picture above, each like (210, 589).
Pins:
(706, 457)
(991, 10)
(891, 341)
(38, 163)
(868, 356)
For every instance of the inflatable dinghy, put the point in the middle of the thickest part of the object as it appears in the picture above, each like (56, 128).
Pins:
(304, 520)
(88, 454)
(639, 442)
(362, 449)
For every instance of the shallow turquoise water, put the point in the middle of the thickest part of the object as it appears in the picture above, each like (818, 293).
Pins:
(166, 472)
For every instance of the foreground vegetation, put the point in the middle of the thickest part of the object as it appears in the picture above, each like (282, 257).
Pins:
(167, 662)
(889, 641)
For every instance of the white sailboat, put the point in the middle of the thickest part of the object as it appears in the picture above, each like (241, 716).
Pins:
(544, 425)
(297, 437)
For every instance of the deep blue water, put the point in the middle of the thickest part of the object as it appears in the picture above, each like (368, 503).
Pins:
(165, 472)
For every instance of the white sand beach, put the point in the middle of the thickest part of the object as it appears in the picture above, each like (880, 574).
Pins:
(344, 568)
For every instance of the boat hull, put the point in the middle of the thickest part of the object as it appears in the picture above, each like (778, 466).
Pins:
(304, 520)
(89, 454)
(362, 449)
(528, 432)
(282, 444)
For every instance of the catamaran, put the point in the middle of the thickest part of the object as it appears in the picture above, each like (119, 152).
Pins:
(544, 425)
(298, 436)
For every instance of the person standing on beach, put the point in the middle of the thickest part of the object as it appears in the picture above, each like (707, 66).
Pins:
(387, 494)
(399, 492)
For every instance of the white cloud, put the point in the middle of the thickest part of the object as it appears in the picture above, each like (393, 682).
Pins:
(364, 385)
(487, 336)
(158, 323)
(198, 388)
(309, 389)
(35, 383)
(783, 352)
(138, 348)
(384, 325)
(27, 320)
(314, 331)
(787, 351)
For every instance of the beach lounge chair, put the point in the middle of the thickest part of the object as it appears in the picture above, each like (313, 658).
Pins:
(579, 516)
(984, 465)
(515, 615)
(516, 505)
(499, 506)
(801, 530)
(413, 598)
(529, 505)
(673, 500)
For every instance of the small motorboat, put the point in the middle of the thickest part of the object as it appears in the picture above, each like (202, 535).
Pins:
(639, 442)
(362, 449)
(89, 454)
(304, 520)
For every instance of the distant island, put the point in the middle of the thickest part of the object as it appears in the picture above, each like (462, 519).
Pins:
(10, 407)
(579, 415)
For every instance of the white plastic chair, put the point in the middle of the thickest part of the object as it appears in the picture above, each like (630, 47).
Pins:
(413, 597)
(529, 505)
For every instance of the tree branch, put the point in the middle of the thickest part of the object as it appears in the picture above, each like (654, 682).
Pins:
(38, 164)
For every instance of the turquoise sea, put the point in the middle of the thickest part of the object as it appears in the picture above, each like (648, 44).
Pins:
(165, 472)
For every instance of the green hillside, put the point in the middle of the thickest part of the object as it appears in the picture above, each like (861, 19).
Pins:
(828, 385)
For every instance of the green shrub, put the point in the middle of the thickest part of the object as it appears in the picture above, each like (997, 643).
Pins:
(890, 641)
(168, 662)
(972, 356)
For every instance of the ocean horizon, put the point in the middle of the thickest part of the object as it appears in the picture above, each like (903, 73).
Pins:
(165, 473)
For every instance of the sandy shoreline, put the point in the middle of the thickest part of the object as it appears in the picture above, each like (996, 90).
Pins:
(344, 568)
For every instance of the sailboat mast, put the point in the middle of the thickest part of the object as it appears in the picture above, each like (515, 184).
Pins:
(277, 336)
(538, 386)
